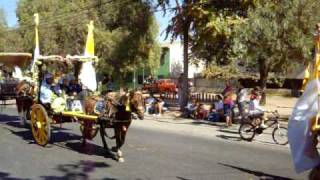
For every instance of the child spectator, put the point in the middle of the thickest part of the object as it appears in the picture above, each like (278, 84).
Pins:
(227, 107)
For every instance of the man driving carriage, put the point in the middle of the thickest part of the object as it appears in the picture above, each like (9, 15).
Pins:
(46, 92)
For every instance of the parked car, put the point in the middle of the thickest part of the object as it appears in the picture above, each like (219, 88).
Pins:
(161, 86)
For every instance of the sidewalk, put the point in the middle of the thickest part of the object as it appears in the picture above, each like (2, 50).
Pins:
(282, 104)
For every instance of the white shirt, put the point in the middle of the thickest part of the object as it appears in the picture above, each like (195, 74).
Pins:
(242, 95)
(45, 93)
(254, 107)
(17, 73)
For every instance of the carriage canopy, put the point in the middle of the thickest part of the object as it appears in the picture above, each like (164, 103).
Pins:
(15, 59)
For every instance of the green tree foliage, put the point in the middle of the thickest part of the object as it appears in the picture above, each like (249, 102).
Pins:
(124, 30)
(3, 29)
(207, 29)
(278, 34)
(214, 29)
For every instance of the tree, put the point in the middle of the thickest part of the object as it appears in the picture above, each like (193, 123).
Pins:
(206, 28)
(3, 29)
(277, 35)
(124, 41)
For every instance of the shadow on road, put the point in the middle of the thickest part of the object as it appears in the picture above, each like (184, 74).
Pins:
(6, 176)
(259, 174)
(6, 118)
(89, 149)
(59, 137)
(81, 170)
(182, 178)
(232, 138)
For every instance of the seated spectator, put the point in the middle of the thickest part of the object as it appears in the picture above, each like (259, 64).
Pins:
(191, 108)
(160, 106)
(213, 115)
(218, 104)
(201, 112)
(150, 104)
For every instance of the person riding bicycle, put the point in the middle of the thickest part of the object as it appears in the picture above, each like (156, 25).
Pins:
(255, 110)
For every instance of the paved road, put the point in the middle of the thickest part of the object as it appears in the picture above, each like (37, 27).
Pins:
(155, 149)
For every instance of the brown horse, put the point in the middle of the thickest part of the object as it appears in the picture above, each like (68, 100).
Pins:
(117, 115)
(24, 99)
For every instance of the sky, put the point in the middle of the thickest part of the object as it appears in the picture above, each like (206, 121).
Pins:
(9, 7)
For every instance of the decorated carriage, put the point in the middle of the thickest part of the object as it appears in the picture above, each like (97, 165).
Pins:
(11, 64)
(93, 112)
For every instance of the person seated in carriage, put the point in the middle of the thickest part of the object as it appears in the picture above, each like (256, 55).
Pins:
(74, 88)
(46, 90)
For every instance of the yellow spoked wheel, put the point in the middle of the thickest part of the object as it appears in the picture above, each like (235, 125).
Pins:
(40, 125)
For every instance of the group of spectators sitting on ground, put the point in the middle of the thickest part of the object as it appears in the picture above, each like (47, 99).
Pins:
(222, 108)
(155, 105)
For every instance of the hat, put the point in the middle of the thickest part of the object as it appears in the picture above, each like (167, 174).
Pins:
(48, 76)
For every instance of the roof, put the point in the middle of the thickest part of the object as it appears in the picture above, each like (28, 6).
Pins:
(15, 59)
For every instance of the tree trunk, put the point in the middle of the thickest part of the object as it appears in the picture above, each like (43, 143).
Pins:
(263, 70)
(185, 87)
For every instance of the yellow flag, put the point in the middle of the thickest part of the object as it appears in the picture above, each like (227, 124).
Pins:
(88, 74)
(89, 51)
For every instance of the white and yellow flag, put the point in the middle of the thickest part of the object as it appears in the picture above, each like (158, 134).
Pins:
(36, 52)
(88, 74)
(301, 123)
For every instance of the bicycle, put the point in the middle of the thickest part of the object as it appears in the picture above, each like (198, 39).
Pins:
(249, 129)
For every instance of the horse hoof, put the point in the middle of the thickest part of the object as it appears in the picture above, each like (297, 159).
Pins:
(121, 160)
(119, 154)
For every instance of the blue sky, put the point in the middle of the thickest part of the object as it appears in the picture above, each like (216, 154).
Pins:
(9, 7)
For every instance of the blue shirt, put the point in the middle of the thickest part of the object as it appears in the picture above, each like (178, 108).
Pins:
(45, 93)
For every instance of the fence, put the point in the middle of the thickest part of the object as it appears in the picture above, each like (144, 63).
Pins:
(201, 97)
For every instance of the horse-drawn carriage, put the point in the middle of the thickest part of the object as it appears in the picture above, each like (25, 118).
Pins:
(10, 63)
(95, 115)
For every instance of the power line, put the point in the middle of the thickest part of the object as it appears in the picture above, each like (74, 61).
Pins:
(51, 23)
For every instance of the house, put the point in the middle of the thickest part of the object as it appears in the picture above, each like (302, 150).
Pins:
(171, 63)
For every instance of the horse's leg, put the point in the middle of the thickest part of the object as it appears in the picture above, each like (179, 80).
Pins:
(120, 133)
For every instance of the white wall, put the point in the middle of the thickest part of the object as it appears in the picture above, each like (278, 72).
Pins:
(176, 61)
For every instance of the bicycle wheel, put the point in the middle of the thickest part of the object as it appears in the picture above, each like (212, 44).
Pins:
(280, 135)
(247, 131)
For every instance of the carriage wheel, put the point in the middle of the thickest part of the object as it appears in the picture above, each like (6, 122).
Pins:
(91, 130)
(40, 125)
